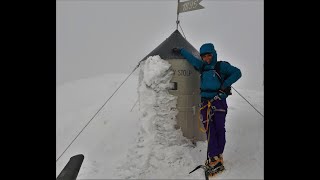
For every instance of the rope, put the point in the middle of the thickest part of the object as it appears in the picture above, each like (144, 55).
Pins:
(182, 31)
(208, 112)
(177, 21)
(97, 112)
(248, 102)
(134, 105)
(208, 146)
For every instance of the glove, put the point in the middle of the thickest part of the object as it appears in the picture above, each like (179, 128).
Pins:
(176, 50)
(221, 95)
(216, 97)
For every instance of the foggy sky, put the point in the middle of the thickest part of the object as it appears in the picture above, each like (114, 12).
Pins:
(95, 37)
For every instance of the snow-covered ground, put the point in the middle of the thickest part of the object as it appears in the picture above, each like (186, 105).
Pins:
(132, 139)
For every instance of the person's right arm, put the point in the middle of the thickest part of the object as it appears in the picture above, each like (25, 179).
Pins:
(197, 63)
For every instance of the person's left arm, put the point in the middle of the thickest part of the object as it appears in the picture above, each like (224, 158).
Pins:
(232, 72)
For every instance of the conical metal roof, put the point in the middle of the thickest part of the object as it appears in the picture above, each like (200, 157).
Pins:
(164, 50)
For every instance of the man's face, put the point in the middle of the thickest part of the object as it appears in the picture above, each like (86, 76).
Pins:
(207, 58)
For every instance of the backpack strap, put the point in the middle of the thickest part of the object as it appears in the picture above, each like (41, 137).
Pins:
(218, 72)
(201, 69)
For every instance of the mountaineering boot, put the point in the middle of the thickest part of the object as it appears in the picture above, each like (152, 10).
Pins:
(220, 157)
(215, 162)
(215, 165)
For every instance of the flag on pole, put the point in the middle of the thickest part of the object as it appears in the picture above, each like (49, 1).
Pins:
(189, 6)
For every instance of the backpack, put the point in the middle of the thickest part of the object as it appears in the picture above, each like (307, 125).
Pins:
(217, 70)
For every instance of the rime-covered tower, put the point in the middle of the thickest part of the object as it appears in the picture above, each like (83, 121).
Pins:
(185, 84)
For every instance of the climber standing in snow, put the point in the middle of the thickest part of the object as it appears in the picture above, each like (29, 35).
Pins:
(216, 80)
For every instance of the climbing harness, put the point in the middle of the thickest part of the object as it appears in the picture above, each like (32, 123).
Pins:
(210, 112)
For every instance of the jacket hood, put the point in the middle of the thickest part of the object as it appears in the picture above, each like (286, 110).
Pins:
(209, 48)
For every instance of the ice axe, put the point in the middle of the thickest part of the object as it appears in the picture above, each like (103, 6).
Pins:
(71, 170)
(205, 168)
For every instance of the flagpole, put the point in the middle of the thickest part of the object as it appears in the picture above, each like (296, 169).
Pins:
(177, 14)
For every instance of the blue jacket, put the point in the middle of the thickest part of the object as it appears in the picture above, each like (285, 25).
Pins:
(210, 83)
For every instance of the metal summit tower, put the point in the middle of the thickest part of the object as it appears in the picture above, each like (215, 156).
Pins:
(185, 84)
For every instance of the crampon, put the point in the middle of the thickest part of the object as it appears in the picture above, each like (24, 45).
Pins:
(209, 171)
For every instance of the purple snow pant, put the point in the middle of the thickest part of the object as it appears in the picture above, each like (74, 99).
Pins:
(216, 130)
